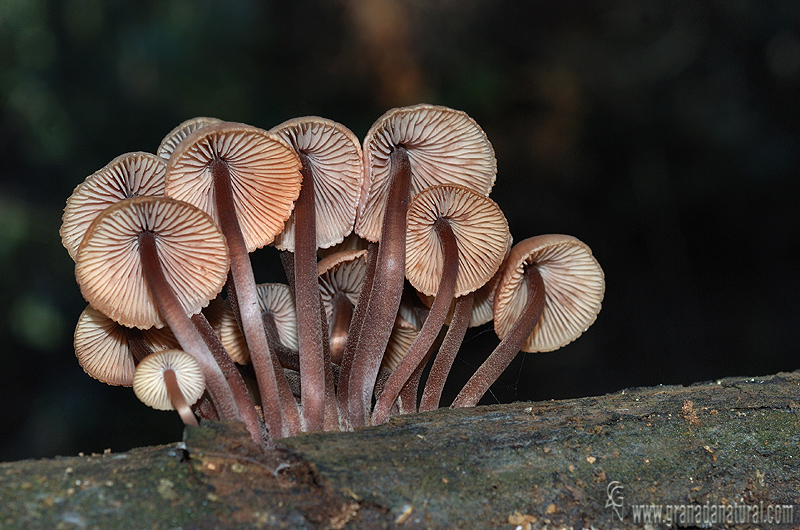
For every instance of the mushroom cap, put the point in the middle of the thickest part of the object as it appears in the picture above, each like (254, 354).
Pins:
(574, 287)
(101, 346)
(273, 297)
(403, 335)
(179, 133)
(148, 380)
(444, 146)
(191, 249)
(481, 233)
(333, 154)
(341, 272)
(264, 170)
(128, 175)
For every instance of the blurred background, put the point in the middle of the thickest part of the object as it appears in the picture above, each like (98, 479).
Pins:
(663, 134)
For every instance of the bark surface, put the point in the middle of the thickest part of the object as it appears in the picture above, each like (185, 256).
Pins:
(523, 465)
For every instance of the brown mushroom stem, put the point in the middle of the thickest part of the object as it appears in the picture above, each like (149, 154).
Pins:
(386, 292)
(189, 338)
(353, 332)
(245, 403)
(281, 415)
(430, 329)
(443, 362)
(407, 399)
(177, 399)
(307, 300)
(341, 315)
(508, 348)
(137, 345)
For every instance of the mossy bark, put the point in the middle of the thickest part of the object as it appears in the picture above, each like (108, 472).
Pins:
(526, 465)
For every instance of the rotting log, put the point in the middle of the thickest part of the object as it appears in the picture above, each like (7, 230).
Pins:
(525, 465)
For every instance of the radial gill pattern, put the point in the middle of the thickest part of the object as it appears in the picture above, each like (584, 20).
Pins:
(334, 156)
(191, 249)
(264, 172)
(574, 287)
(444, 146)
(129, 175)
(481, 232)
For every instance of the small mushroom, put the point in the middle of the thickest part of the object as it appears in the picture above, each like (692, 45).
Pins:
(456, 240)
(324, 214)
(179, 133)
(405, 151)
(150, 261)
(247, 179)
(170, 380)
(550, 292)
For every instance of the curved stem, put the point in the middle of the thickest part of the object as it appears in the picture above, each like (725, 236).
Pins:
(137, 345)
(307, 298)
(281, 415)
(177, 399)
(443, 361)
(341, 315)
(430, 329)
(508, 348)
(245, 403)
(189, 338)
(353, 332)
(387, 289)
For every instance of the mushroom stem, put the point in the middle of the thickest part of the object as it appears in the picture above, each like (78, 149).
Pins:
(447, 353)
(281, 415)
(137, 345)
(508, 348)
(234, 378)
(430, 329)
(386, 292)
(177, 399)
(341, 315)
(309, 326)
(189, 338)
(353, 332)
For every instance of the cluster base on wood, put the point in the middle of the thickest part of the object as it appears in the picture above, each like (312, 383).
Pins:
(529, 465)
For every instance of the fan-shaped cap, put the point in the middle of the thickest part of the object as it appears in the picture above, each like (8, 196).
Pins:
(273, 297)
(148, 380)
(444, 146)
(333, 154)
(191, 249)
(128, 175)
(574, 287)
(480, 229)
(179, 133)
(264, 171)
(342, 272)
(102, 346)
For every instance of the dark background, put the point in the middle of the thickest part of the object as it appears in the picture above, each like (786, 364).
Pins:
(663, 134)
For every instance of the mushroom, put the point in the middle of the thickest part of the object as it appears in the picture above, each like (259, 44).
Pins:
(128, 175)
(406, 150)
(170, 380)
(150, 261)
(456, 240)
(550, 292)
(109, 352)
(247, 179)
(324, 214)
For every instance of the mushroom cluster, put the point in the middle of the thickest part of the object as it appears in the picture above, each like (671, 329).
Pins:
(391, 247)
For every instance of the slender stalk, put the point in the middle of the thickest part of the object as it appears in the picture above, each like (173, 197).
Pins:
(177, 399)
(245, 403)
(136, 344)
(443, 361)
(307, 300)
(508, 348)
(281, 416)
(189, 338)
(430, 329)
(387, 289)
(342, 314)
(356, 323)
